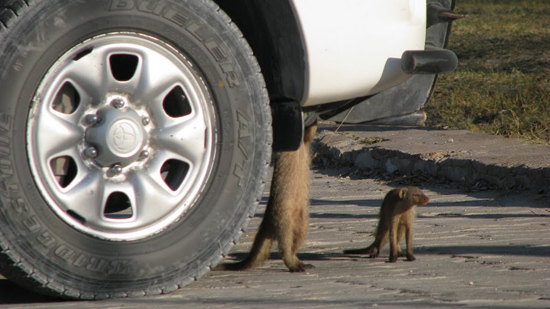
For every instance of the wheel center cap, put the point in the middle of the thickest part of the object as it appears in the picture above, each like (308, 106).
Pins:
(124, 138)
(119, 137)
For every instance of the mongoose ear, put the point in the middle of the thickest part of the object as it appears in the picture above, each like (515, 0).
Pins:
(402, 193)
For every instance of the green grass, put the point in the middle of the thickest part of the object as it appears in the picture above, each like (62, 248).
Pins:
(502, 84)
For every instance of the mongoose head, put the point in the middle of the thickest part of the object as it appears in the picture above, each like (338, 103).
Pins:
(413, 195)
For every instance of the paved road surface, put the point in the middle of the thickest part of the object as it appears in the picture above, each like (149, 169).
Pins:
(481, 250)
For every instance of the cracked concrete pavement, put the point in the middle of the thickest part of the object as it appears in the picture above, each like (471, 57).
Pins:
(457, 155)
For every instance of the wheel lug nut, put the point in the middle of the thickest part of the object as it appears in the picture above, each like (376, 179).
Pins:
(144, 155)
(91, 152)
(91, 119)
(116, 169)
(117, 103)
(146, 121)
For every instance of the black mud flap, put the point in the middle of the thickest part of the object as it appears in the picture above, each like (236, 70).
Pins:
(288, 125)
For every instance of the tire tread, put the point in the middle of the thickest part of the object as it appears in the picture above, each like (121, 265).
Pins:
(10, 10)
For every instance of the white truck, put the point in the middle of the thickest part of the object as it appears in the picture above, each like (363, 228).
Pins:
(135, 135)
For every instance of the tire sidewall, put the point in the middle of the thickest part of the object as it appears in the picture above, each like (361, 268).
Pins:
(190, 246)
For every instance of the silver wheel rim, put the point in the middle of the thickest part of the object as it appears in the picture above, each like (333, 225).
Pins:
(121, 136)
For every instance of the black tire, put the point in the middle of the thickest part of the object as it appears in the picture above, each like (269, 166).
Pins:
(59, 247)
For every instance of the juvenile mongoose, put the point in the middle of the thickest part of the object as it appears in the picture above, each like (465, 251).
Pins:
(287, 215)
(397, 216)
